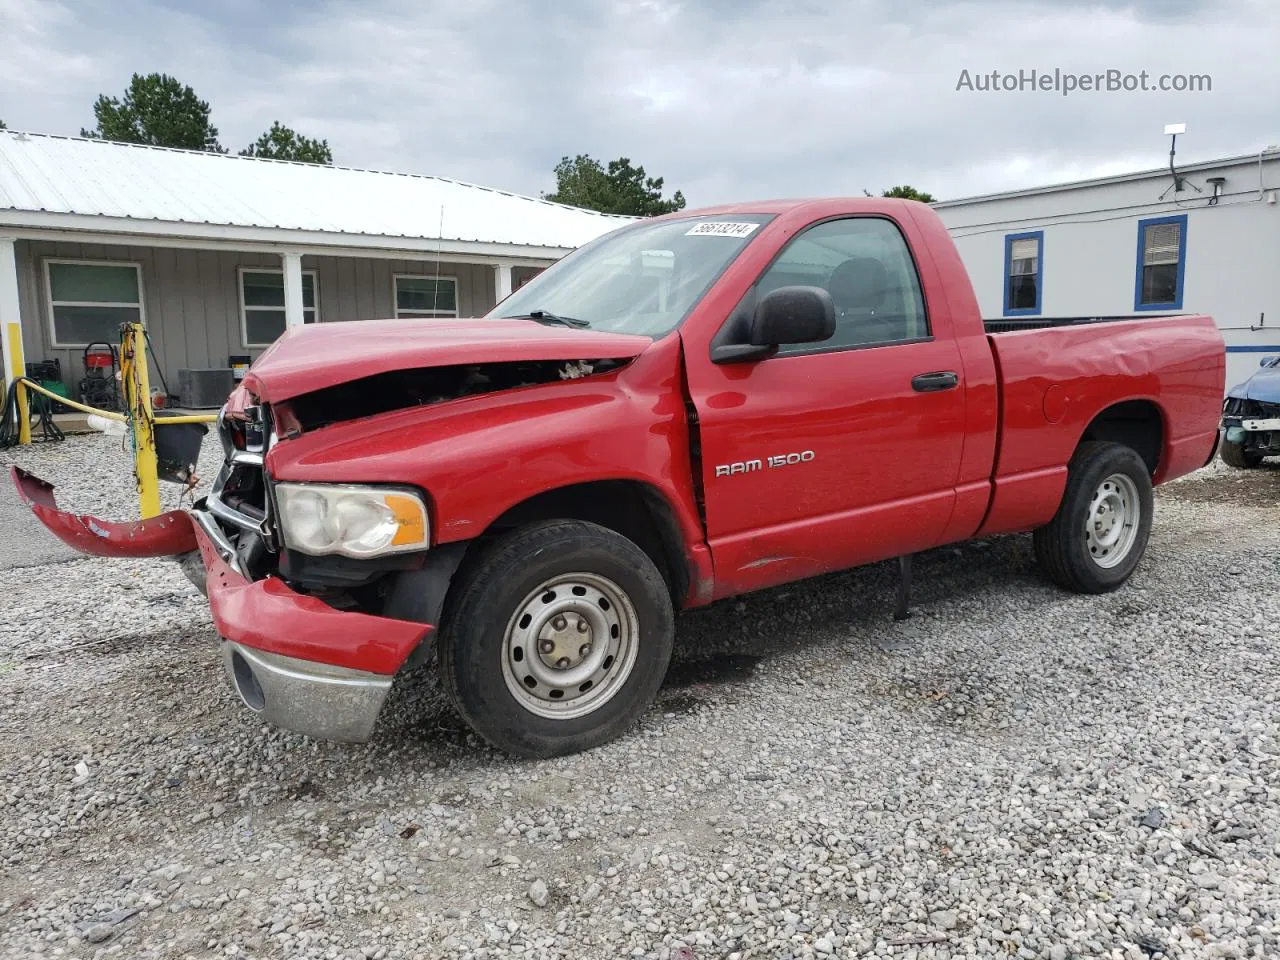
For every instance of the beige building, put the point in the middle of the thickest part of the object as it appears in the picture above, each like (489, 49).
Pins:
(217, 255)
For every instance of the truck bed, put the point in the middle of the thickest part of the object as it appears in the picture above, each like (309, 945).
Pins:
(1056, 376)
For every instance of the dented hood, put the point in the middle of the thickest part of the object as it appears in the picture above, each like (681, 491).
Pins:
(316, 356)
(1263, 386)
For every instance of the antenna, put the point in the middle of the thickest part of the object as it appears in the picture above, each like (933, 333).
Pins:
(1172, 130)
(435, 287)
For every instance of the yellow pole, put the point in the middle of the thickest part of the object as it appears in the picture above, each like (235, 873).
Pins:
(137, 390)
(16, 370)
(24, 415)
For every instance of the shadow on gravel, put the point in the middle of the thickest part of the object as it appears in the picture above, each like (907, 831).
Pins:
(721, 668)
(719, 648)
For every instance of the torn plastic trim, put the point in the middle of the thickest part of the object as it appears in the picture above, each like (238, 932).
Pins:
(218, 540)
(167, 535)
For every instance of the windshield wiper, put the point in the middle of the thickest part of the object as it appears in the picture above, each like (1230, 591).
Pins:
(546, 316)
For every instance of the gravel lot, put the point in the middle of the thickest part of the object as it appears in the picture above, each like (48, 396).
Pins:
(1014, 771)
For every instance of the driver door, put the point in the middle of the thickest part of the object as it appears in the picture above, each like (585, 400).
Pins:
(833, 454)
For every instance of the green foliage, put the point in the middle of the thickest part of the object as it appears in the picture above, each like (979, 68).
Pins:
(282, 143)
(156, 110)
(905, 192)
(622, 188)
(3, 126)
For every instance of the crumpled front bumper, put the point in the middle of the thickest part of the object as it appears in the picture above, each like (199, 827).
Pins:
(299, 662)
(302, 664)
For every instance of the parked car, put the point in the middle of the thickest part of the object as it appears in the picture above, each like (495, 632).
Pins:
(1251, 417)
(690, 408)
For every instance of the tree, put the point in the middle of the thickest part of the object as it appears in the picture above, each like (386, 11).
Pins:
(905, 192)
(622, 188)
(282, 143)
(3, 126)
(156, 110)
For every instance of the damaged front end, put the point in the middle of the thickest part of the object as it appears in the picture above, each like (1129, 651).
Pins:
(1252, 425)
(312, 631)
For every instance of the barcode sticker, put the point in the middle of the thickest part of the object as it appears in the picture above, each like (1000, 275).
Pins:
(715, 229)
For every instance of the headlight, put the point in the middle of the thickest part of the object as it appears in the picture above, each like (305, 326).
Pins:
(360, 522)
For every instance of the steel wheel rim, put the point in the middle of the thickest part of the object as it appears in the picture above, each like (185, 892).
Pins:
(570, 645)
(1112, 519)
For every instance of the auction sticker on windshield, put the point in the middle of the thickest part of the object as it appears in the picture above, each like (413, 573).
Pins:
(715, 229)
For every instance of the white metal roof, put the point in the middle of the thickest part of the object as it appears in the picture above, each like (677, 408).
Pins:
(1269, 154)
(73, 183)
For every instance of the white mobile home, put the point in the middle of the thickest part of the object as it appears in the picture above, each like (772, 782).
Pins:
(1136, 244)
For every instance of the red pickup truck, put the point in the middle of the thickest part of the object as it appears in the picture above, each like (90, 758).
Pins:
(689, 408)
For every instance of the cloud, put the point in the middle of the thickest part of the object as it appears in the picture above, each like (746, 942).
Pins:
(726, 99)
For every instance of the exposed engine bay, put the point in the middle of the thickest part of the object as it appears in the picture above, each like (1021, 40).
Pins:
(402, 389)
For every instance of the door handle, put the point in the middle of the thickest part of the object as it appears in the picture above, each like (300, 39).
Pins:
(932, 382)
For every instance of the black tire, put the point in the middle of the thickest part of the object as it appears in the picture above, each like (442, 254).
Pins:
(1063, 547)
(487, 596)
(1236, 455)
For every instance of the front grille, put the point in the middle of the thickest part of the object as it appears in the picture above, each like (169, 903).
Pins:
(239, 495)
(1255, 409)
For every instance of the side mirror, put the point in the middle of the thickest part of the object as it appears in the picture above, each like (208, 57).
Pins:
(793, 315)
(1268, 361)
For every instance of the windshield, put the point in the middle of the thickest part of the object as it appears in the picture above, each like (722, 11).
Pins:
(642, 279)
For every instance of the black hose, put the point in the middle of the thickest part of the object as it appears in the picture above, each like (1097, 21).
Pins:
(11, 417)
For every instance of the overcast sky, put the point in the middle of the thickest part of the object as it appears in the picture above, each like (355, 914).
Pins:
(726, 99)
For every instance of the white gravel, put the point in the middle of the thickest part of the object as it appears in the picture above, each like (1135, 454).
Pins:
(1013, 772)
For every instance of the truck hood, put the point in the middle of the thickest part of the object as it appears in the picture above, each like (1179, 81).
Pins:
(316, 356)
(1263, 386)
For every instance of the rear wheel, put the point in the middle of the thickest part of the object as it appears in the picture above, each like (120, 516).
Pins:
(1237, 455)
(1100, 531)
(558, 638)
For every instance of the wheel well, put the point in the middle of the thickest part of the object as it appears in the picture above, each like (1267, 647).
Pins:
(631, 508)
(1135, 423)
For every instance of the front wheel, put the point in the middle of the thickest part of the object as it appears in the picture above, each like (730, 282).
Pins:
(1101, 529)
(558, 639)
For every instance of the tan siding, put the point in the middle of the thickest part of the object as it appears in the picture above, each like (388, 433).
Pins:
(34, 337)
(359, 289)
(191, 298)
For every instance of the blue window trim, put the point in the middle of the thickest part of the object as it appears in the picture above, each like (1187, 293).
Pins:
(1176, 302)
(1038, 236)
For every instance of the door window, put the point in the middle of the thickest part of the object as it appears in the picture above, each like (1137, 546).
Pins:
(866, 266)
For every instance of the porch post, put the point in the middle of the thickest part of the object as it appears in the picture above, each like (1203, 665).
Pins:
(293, 307)
(10, 318)
(501, 282)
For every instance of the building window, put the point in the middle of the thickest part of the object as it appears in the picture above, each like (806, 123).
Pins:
(262, 304)
(88, 300)
(1162, 257)
(1023, 273)
(522, 275)
(418, 296)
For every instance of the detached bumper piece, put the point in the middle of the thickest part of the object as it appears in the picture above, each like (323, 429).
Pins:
(302, 664)
(167, 535)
